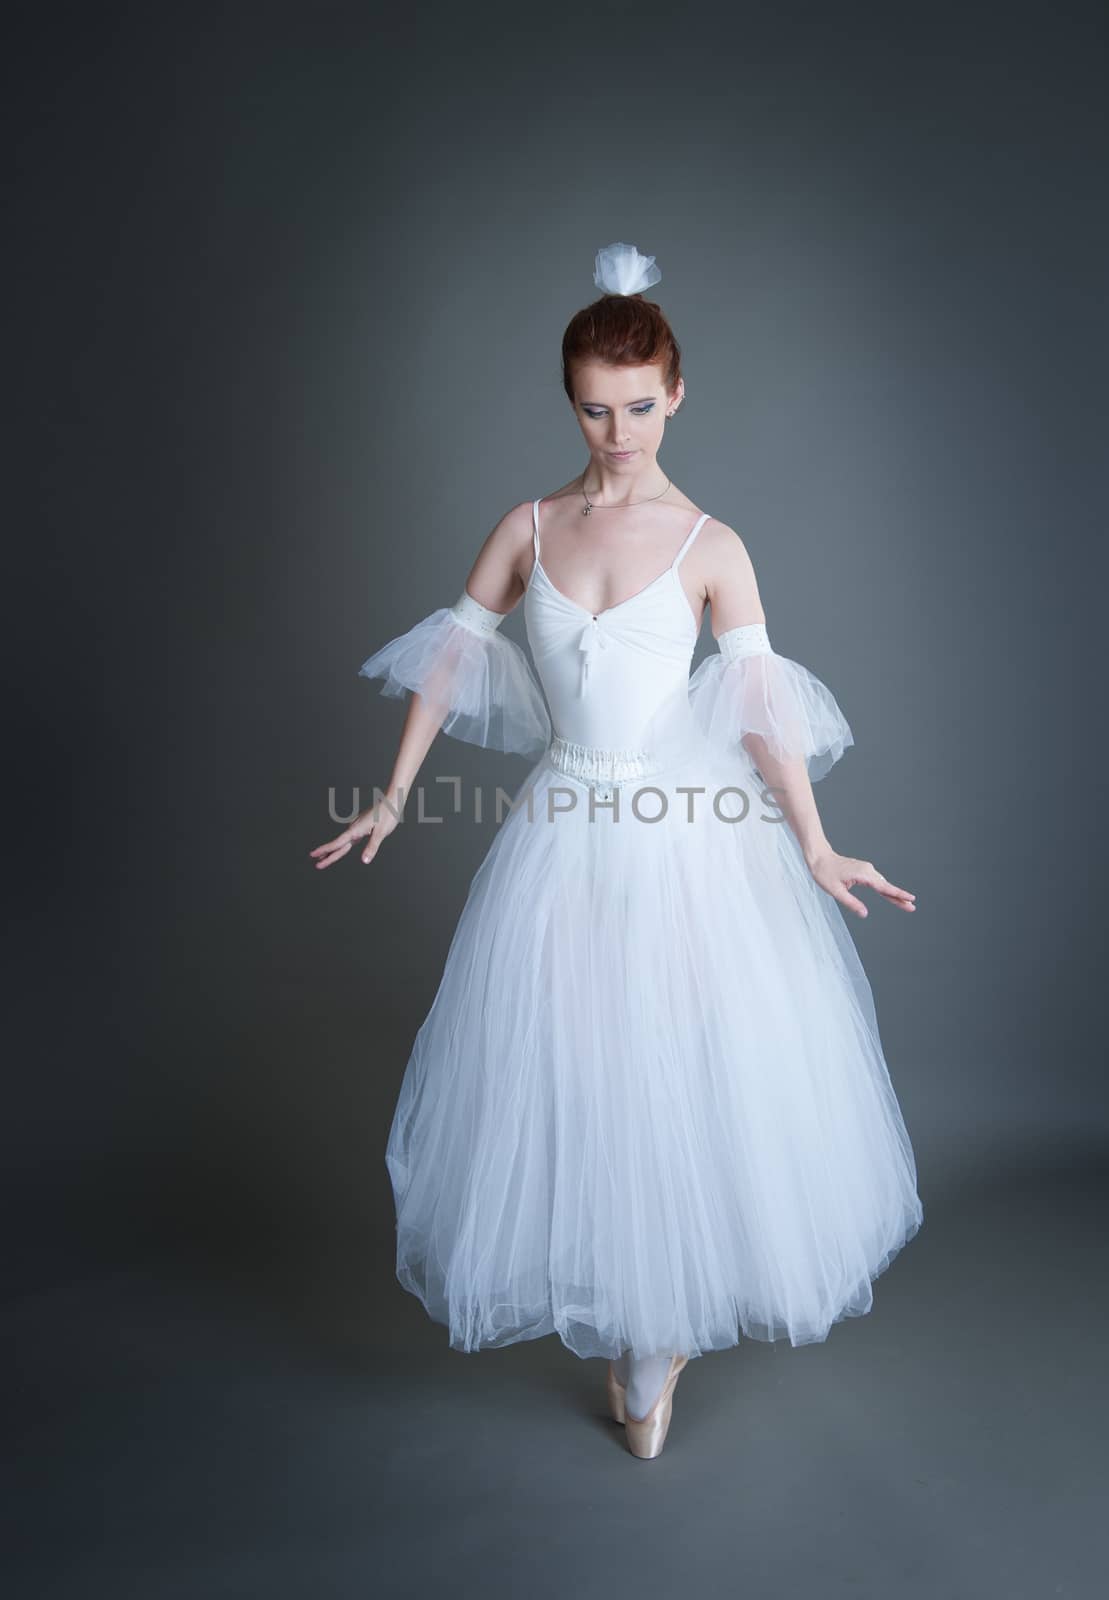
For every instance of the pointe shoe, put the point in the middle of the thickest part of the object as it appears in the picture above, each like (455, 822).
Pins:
(647, 1435)
(616, 1394)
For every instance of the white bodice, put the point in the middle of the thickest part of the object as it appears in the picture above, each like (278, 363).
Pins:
(606, 676)
(611, 699)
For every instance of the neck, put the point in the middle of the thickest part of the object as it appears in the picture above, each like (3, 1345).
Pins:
(607, 486)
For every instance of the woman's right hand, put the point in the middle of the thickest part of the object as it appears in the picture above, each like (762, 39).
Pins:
(366, 826)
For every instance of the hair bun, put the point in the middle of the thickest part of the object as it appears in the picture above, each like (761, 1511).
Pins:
(620, 269)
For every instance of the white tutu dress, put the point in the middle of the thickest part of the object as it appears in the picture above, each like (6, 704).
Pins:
(648, 1109)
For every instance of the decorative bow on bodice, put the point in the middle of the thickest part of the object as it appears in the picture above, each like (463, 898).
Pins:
(593, 638)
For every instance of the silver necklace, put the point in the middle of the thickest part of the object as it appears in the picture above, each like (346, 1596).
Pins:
(589, 506)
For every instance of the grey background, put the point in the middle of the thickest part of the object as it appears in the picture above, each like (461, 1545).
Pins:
(288, 287)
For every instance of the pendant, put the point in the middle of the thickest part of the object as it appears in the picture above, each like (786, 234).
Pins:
(587, 510)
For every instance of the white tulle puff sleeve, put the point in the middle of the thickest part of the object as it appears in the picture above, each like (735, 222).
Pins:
(458, 662)
(748, 689)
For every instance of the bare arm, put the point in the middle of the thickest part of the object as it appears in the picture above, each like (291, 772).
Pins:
(733, 595)
(494, 581)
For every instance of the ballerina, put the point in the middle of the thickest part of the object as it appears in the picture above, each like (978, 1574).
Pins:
(648, 1111)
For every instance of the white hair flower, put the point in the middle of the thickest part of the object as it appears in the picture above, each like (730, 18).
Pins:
(620, 269)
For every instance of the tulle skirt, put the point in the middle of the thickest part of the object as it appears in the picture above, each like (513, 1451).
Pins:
(648, 1108)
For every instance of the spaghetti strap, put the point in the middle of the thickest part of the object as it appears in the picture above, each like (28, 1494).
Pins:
(693, 532)
(535, 523)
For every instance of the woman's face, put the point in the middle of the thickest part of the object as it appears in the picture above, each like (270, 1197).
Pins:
(622, 413)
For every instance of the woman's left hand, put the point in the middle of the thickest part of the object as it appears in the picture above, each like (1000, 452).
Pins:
(838, 875)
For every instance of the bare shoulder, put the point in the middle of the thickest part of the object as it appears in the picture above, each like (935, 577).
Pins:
(723, 553)
(721, 538)
(499, 573)
(515, 526)
(728, 573)
(510, 537)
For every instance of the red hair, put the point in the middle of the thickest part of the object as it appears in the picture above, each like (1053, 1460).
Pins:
(624, 330)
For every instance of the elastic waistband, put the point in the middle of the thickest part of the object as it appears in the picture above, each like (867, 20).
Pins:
(596, 763)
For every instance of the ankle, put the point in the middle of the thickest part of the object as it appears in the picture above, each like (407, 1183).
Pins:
(646, 1379)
